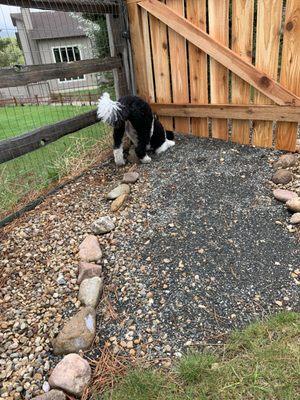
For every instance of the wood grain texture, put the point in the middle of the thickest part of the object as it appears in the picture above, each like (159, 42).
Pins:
(218, 12)
(196, 14)
(23, 144)
(286, 133)
(269, 14)
(138, 50)
(242, 32)
(148, 57)
(222, 54)
(160, 57)
(25, 74)
(235, 111)
(178, 63)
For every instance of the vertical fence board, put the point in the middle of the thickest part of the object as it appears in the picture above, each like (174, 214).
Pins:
(267, 51)
(138, 50)
(148, 58)
(159, 41)
(219, 29)
(196, 14)
(179, 71)
(242, 31)
(290, 71)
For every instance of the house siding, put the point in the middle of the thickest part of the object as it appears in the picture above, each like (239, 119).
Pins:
(47, 56)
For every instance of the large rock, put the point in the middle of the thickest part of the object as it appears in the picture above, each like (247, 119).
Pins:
(284, 195)
(71, 375)
(77, 334)
(102, 225)
(118, 202)
(285, 161)
(118, 191)
(295, 218)
(130, 177)
(89, 249)
(90, 291)
(282, 176)
(88, 270)
(52, 395)
(294, 205)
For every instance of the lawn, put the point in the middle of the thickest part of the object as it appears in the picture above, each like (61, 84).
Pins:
(261, 362)
(35, 171)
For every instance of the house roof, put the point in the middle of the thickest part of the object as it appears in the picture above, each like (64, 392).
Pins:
(51, 25)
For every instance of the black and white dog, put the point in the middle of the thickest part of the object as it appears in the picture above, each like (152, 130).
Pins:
(133, 116)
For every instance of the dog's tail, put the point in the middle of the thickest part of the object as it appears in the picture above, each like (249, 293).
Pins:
(109, 111)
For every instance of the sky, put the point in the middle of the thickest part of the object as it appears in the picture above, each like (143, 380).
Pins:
(6, 26)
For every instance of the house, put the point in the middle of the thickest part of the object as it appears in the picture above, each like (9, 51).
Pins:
(52, 37)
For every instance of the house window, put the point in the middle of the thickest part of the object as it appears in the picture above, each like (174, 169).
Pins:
(67, 54)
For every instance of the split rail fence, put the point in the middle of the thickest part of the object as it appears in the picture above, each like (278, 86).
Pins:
(22, 75)
(227, 69)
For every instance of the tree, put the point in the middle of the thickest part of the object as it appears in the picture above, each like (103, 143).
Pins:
(10, 53)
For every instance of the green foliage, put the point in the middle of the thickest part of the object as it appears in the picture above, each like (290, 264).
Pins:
(10, 53)
(261, 362)
(36, 170)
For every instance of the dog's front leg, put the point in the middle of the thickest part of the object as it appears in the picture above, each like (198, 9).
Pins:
(141, 148)
(118, 145)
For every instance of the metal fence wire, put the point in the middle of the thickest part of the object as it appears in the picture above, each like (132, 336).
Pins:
(40, 35)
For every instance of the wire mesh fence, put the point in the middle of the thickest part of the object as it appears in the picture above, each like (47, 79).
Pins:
(57, 32)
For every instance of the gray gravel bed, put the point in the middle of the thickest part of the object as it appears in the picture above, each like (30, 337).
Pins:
(200, 249)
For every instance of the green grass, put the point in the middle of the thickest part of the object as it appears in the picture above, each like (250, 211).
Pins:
(261, 362)
(36, 170)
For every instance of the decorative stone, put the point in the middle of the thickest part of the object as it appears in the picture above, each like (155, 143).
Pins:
(285, 161)
(118, 191)
(284, 195)
(282, 176)
(90, 291)
(118, 202)
(130, 177)
(52, 395)
(77, 334)
(295, 218)
(294, 205)
(89, 249)
(88, 270)
(102, 225)
(71, 375)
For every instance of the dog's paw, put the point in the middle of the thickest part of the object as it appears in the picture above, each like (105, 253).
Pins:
(119, 157)
(120, 163)
(164, 147)
(146, 159)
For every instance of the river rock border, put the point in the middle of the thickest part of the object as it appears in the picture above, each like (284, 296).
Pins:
(72, 374)
(286, 182)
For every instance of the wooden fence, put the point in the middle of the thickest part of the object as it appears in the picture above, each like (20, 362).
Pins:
(218, 60)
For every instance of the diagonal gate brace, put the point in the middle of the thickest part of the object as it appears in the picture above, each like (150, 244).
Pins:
(225, 56)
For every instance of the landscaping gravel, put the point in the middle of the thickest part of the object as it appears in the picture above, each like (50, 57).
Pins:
(200, 248)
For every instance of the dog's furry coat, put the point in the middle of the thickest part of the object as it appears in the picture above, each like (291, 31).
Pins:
(133, 116)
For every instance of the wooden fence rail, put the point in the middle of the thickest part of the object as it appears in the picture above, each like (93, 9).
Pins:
(20, 145)
(25, 74)
(86, 6)
(175, 42)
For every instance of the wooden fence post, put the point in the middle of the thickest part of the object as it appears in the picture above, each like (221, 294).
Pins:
(118, 48)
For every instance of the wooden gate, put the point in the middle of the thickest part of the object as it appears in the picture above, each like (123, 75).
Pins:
(229, 69)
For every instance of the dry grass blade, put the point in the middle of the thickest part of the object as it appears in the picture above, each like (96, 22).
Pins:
(106, 371)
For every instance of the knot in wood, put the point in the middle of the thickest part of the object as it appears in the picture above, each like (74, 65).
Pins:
(264, 82)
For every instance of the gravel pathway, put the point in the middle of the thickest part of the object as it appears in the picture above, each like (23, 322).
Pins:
(201, 248)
